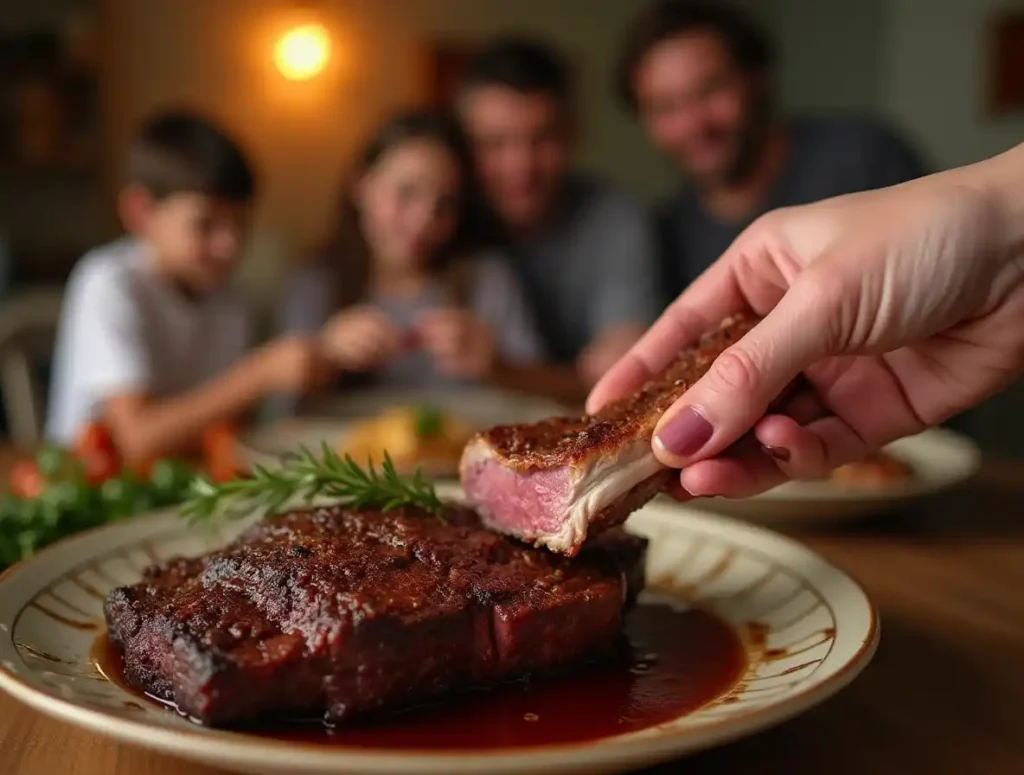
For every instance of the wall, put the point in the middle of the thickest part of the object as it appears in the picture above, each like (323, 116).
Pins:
(47, 213)
(935, 67)
(217, 55)
(829, 57)
(935, 70)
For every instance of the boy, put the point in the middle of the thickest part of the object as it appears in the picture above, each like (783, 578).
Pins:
(151, 343)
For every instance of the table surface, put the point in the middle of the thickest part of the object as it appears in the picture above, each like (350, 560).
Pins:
(944, 695)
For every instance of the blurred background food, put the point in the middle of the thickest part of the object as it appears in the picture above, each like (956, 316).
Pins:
(413, 436)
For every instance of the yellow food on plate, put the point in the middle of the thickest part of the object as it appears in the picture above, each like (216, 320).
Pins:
(876, 472)
(411, 435)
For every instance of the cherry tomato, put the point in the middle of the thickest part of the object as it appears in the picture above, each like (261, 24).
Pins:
(219, 452)
(26, 480)
(95, 449)
(95, 438)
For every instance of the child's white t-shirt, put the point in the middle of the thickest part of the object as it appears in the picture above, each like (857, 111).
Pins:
(124, 329)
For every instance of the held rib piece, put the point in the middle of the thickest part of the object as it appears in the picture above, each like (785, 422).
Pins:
(553, 482)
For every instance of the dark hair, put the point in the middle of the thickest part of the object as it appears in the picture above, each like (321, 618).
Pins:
(665, 19)
(177, 152)
(348, 244)
(520, 63)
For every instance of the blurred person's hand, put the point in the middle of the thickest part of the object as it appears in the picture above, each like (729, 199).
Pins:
(295, 365)
(461, 344)
(360, 338)
(602, 354)
(900, 307)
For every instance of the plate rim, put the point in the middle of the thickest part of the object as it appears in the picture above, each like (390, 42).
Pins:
(231, 749)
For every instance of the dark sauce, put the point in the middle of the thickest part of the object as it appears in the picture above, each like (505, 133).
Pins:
(669, 662)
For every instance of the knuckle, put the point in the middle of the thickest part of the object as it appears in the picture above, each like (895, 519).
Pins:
(822, 287)
(735, 371)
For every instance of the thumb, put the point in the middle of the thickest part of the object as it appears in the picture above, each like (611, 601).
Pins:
(746, 378)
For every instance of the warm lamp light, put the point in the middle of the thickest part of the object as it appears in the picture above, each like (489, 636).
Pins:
(302, 52)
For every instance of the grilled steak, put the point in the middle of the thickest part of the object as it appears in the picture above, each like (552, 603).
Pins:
(335, 612)
(555, 481)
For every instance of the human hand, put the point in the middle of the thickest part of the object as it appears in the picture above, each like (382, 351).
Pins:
(605, 351)
(461, 344)
(900, 307)
(360, 338)
(294, 365)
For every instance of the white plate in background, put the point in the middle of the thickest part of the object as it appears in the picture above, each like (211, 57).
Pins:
(940, 459)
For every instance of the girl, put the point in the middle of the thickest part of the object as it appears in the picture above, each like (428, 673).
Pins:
(393, 296)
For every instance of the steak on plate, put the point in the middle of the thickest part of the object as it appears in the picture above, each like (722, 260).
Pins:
(335, 612)
(556, 481)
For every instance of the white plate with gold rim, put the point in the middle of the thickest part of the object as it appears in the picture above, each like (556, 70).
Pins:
(818, 632)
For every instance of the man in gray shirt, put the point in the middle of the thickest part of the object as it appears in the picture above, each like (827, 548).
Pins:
(697, 73)
(584, 252)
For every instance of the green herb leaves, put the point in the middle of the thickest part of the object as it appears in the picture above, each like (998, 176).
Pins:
(306, 477)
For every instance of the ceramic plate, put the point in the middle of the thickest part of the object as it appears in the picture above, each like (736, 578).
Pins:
(331, 420)
(819, 632)
(940, 459)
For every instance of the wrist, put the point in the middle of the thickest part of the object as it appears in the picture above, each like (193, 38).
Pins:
(999, 180)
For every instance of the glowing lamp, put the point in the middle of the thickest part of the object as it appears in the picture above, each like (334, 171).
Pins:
(302, 52)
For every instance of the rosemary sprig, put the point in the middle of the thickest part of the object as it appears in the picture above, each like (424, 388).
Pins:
(306, 477)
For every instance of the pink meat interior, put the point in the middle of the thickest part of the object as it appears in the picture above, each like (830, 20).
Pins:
(522, 502)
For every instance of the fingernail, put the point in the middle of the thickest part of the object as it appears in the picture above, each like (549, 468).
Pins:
(778, 453)
(685, 433)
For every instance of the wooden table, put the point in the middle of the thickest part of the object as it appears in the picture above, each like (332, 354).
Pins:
(945, 694)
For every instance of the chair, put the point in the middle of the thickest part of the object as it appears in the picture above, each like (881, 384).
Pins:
(28, 327)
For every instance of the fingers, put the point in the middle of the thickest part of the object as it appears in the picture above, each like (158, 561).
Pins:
(742, 475)
(360, 339)
(712, 297)
(607, 350)
(742, 382)
(442, 332)
(675, 490)
(461, 344)
(783, 449)
(678, 327)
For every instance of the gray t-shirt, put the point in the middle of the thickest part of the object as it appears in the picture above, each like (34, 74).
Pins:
(125, 329)
(827, 158)
(310, 299)
(593, 269)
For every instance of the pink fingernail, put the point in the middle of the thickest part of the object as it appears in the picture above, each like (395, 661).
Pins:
(778, 453)
(686, 433)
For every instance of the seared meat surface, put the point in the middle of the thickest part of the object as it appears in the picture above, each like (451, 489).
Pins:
(337, 611)
(556, 481)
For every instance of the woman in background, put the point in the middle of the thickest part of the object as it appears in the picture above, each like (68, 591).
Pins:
(393, 295)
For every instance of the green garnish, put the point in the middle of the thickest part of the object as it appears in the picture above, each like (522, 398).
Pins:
(429, 421)
(306, 477)
(69, 504)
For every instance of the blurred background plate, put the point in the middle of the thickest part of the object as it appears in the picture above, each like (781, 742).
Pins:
(331, 421)
(939, 459)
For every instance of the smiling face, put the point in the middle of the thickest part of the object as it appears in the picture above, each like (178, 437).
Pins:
(521, 147)
(408, 203)
(699, 106)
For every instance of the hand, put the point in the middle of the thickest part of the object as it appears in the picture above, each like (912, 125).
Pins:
(360, 338)
(605, 352)
(294, 365)
(901, 307)
(461, 344)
